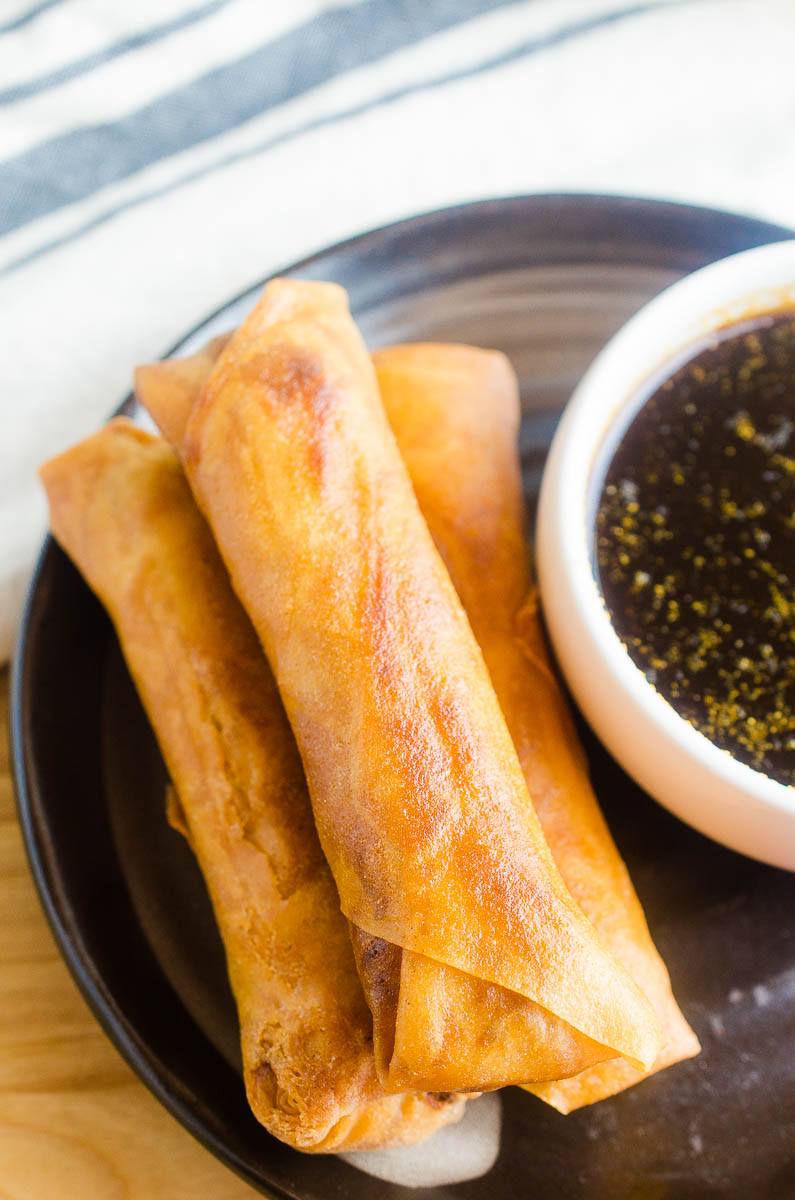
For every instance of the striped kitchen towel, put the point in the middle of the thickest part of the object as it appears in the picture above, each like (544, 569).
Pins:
(158, 157)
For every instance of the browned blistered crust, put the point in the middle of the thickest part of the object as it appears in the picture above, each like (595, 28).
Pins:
(455, 413)
(121, 508)
(418, 795)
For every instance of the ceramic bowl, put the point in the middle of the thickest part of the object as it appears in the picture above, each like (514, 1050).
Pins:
(699, 782)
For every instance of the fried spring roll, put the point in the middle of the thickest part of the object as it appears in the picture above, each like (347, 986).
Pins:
(500, 1036)
(122, 509)
(418, 795)
(455, 413)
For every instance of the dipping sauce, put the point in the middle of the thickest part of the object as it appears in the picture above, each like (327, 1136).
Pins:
(695, 540)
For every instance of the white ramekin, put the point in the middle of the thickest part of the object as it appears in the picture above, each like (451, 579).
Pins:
(680, 767)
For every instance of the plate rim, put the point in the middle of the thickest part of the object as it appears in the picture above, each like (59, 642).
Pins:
(472, 208)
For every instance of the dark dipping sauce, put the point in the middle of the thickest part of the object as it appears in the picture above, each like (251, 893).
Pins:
(695, 540)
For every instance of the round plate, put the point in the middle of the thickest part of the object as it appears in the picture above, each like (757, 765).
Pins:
(547, 279)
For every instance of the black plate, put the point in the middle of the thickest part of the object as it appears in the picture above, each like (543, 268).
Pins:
(547, 279)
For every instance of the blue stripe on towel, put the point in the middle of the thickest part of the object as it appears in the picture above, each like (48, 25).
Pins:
(26, 17)
(522, 50)
(31, 87)
(74, 165)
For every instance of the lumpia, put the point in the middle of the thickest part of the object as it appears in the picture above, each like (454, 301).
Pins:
(121, 508)
(455, 413)
(419, 799)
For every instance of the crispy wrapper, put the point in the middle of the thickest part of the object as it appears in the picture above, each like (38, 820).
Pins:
(418, 795)
(455, 413)
(121, 508)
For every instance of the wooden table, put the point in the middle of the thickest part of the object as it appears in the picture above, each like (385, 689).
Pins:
(75, 1122)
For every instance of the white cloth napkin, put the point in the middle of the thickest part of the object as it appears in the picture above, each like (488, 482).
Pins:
(158, 157)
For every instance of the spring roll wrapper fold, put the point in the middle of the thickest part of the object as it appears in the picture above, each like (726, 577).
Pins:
(419, 799)
(455, 413)
(122, 509)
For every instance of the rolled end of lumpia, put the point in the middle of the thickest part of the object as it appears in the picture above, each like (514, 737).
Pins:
(171, 386)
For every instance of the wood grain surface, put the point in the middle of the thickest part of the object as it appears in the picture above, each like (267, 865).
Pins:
(75, 1122)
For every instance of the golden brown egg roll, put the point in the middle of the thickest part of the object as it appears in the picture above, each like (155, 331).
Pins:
(418, 795)
(121, 508)
(455, 412)
(499, 1036)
